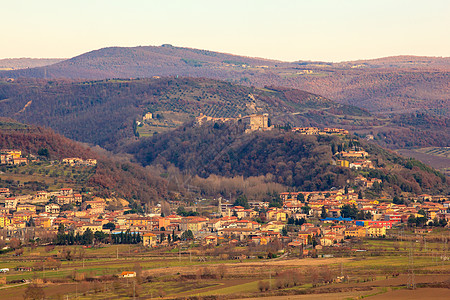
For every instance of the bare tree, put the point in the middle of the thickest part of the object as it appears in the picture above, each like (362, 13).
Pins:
(34, 292)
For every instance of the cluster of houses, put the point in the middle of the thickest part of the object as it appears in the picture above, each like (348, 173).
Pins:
(334, 228)
(322, 223)
(76, 161)
(355, 159)
(42, 207)
(12, 157)
(317, 131)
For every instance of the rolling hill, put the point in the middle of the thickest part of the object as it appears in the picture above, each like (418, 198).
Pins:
(402, 84)
(112, 177)
(26, 63)
(110, 113)
(105, 112)
(297, 161)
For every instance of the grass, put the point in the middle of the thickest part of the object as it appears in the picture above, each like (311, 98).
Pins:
(249, 287)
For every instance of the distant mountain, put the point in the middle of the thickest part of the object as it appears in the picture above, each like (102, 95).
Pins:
(135, 62)
(112, 177)
(25, 63)
(401, 84)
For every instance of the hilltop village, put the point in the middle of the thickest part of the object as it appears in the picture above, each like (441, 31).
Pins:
(309, 220)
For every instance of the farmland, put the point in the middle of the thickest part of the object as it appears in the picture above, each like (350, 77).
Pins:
(193, 270)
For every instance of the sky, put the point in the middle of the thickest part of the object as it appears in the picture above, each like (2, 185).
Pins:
(288, 30)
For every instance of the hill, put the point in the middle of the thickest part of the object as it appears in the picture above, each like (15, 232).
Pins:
(111, 177)
(110, 113)
(401, 84)
(25, 63)
(106, 112)
(298, 161)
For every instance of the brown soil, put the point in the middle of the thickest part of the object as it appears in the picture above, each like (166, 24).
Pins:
(419, 294)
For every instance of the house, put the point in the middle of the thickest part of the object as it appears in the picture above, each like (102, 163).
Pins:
(77, 198)
(82, 227)
(95, 206)
(241, 233)
(43, 222)
(20, 160)
(66, 191)
(11, 203)
(327, 241)
(4, 192)
(194, 224)
(26, 207)
(338, 229)
(376, 231)
(5, 220)
(354, 154)
(149, 239)
(127, 274)
(238, 211)
(61, 200)
(355, 231)
(211, 240)
(276, 214)
(41, 196)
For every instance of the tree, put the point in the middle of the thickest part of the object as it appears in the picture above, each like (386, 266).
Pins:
(397, 200)
(43, 152)
(100, 236)
(187, 235)
(360, 194)
(301, 197)
(284, 231)
(181, 210)
(221, 271)
(411, 220)
(306, 209)
(242, 201)
(14, 243)
(324, 213)
(110, 226)
(349, 211)
(88, 237)
(34, 292)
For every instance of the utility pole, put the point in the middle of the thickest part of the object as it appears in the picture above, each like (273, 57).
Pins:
(411, 275)
(270, 279)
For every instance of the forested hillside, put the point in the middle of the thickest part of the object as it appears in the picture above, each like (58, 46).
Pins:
(112, 177)
(299, 161)
(104, 112)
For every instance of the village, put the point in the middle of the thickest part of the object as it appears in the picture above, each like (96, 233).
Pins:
(68, 230)
(309, 220)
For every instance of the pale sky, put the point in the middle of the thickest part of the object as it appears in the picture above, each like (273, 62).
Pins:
(325, 30)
